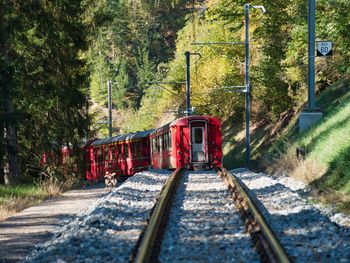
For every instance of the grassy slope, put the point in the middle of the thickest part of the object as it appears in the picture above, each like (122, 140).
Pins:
(327, 146)
(328, 143)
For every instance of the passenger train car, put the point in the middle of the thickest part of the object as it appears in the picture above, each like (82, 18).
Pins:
(124, 155)
(193, 142)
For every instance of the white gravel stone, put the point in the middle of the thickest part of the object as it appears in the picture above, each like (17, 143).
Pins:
(204, 225)
(309, 233)
(108, 231)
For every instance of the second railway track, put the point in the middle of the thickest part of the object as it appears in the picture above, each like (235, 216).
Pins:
(204, 225)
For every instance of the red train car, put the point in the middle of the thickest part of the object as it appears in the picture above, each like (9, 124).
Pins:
(123, 154)
(53, 158)
(87, 157)
(193, 142)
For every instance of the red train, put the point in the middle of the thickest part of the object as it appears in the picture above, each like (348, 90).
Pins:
(124, 155)
(193, 142)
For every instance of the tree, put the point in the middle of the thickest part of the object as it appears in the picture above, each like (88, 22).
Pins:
(128, 41)
(44, 79)
(8, 64)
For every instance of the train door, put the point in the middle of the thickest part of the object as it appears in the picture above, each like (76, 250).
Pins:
(91, 169)
(160, 141)
(106, 159)
(126, 158)
(198, 142)
(119, 160)
(99, 163)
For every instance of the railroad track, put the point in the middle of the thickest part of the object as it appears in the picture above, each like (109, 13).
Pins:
(203, 226)
(265, 240)
(150, 241)
(204, 223)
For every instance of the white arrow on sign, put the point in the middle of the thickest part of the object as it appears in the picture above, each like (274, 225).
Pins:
(324, 48)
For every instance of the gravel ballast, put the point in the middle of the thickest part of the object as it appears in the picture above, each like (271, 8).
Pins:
(309, 233)
(204, 225)
(108, 231)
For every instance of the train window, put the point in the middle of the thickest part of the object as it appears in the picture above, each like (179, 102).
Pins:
(134, 151)
(169, 139)
(166, 143)
(138, 149)
(96, 154)
(198, 135)
(132, 148)
(126, 152)
(106, 155)
(158, 143)
(113, 152)
(157, 139)
(119, 151)
(99, 155)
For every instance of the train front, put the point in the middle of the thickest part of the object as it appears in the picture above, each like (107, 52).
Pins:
(197, 142)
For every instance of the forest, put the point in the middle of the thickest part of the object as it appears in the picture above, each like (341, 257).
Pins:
(57, 56)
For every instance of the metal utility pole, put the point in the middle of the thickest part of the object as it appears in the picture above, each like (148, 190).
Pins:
(311, 54)
(110, 107)
(247, 85)
(247, 82)
(312, 114)
(188, 84)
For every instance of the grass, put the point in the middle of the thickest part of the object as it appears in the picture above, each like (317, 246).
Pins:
(16, 198)
(234, 144)
(233, 148)
(326, 165)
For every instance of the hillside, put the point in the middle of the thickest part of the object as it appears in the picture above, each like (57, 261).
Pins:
(325, 165)
(278, 71)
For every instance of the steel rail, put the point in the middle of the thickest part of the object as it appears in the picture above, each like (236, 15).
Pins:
(153, 232)
(257, 225)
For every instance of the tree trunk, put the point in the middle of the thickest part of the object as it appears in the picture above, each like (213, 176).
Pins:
(2, 93)
(11, 162)
(2, 175)
(9, 133)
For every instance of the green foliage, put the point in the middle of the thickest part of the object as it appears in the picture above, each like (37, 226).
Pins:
(46, 77)
(212, 70)
(54, 56)
(129, 39)
(278, 56)
(60, 92)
